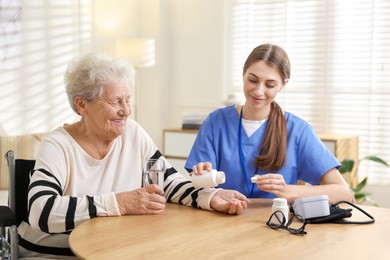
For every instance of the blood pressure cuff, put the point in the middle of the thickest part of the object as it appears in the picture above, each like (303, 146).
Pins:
(338, 215)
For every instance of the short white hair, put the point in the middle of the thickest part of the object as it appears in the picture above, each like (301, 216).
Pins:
(88, 75)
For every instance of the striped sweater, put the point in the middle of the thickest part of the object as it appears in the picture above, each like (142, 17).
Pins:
(69, 187)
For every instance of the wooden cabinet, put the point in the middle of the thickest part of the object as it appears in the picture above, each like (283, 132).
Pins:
(177, 144)
(344, 147)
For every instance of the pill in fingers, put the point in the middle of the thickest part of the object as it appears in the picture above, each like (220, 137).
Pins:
(254, 179)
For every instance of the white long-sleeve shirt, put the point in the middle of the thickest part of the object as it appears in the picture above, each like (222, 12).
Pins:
(69, 187)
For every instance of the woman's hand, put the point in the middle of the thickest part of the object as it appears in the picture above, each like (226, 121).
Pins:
(202, 166)
(229, 201)
(331, 184)
(273, 183)
(143, 201)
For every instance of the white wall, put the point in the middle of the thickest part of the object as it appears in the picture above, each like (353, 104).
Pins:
(114, 20)
(189, 73)
(153, 82)
(379, 193)
(189, 66)
(197, 57)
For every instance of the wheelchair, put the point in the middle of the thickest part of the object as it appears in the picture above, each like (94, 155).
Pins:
(17, 210)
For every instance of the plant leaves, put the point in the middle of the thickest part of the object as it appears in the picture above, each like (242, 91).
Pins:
(375, 159)
(360, 186)
(362, 195)
(346, 166)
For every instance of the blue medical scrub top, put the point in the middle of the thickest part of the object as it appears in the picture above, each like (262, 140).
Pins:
(217, 142)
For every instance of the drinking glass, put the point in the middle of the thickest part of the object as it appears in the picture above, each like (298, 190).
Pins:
(153, 172)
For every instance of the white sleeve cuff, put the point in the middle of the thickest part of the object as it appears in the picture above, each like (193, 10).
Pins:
(109, 207)
(205, 197)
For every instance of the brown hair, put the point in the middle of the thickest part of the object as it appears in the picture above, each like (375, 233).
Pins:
(273, 149)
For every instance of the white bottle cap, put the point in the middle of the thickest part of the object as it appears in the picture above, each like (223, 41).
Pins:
(254, 179)
(220, 177)
(280, 201)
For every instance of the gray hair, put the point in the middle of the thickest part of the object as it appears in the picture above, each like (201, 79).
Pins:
(88, 75)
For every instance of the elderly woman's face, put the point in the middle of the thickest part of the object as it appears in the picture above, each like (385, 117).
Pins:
(106, 116)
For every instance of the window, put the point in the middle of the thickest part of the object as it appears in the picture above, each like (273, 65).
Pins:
(340, 55)
(38, 39)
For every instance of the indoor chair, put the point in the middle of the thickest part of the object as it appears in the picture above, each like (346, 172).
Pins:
(11, 216)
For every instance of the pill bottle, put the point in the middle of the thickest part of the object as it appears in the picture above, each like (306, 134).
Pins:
(281, 205)
(208, 179)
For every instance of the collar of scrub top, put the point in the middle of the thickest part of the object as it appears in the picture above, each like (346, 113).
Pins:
(242, 161)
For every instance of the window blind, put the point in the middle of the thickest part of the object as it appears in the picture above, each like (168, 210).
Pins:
(39, 38)
(340, 55)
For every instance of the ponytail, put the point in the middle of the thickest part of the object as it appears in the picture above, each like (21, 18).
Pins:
(273, 150)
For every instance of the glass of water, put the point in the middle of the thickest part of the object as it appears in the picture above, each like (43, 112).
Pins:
(153, 172)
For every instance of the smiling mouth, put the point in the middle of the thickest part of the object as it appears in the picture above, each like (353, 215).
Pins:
(258, 99)
(119, 121)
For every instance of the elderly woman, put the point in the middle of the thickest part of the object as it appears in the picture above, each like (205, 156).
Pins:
(93, 167)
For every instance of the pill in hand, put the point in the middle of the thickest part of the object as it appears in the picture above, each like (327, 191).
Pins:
(254, 179)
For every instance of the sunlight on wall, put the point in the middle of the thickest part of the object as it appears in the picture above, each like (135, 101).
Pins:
(112, 19)
(32, 93)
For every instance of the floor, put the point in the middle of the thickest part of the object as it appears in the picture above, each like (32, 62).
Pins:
(3, 197)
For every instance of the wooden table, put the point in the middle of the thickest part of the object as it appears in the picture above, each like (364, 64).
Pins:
(185, 233)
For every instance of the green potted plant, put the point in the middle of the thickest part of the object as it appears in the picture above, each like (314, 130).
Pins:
(359, 194)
